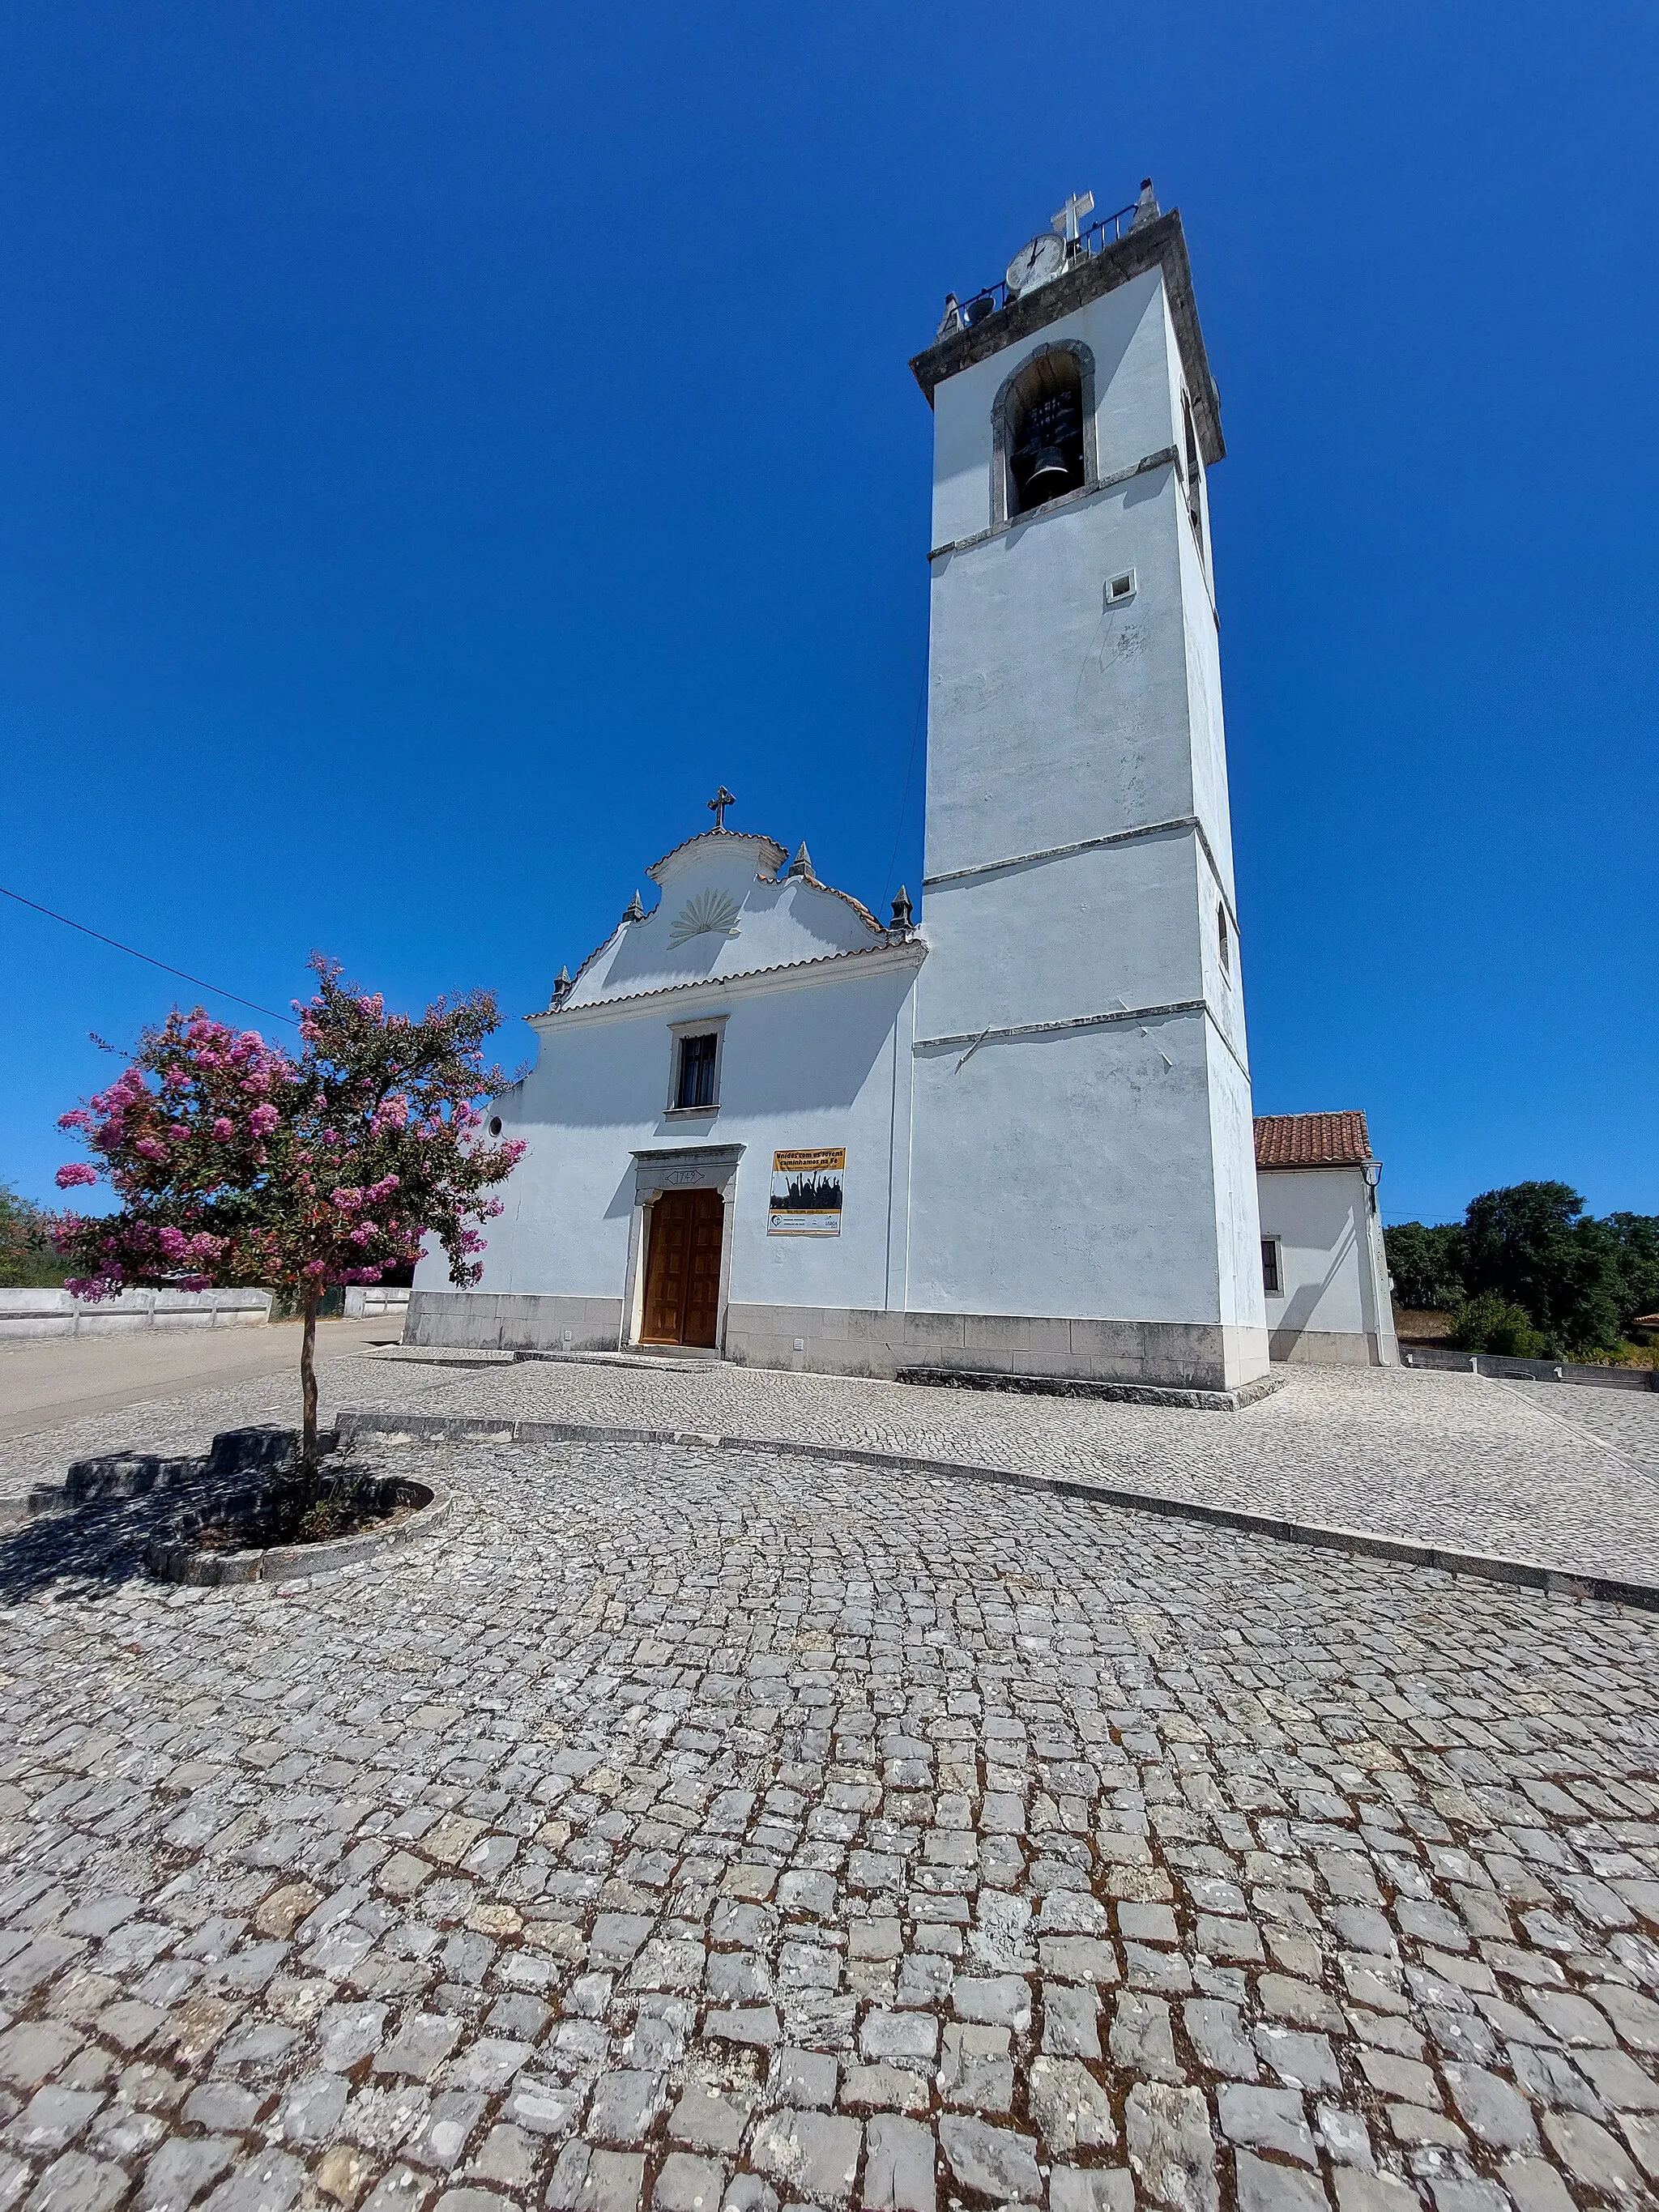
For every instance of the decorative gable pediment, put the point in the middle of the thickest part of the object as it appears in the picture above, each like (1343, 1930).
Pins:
(726, 910)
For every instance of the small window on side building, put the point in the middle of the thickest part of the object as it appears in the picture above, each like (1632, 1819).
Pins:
(696, 1085)
(1272, 1276)
(1223, 940)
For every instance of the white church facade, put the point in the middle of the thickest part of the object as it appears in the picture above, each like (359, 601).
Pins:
(1014, 1136)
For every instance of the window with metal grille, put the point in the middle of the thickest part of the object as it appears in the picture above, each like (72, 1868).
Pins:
(696, 1084)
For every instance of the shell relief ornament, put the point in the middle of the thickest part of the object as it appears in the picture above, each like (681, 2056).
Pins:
(711, 913)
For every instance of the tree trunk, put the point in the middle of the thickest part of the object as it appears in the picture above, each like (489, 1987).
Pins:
(308, 1395)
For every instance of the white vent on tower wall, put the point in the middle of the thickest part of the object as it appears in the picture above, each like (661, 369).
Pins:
(1121, 588)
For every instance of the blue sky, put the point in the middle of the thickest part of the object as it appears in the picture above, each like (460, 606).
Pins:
(441, 445)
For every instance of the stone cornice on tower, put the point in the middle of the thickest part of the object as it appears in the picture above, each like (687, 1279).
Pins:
(1161, 244)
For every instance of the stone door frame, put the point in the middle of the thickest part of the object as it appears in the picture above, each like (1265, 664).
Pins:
(678, 1167)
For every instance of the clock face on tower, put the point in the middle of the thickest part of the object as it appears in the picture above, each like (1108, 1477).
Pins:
(1036, 264)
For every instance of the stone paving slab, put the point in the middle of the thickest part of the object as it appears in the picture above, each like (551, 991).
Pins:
(718, 1832)
(1450, 1460)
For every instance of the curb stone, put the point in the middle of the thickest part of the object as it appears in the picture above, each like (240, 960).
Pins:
(175, 1558)
(1112, 1393)
(1488, 1566)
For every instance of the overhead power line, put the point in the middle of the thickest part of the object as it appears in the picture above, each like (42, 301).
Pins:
(200, 982)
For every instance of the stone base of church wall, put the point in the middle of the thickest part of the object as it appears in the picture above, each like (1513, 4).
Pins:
(1333, 1347)
(857, 1340)
(512, 1320)
(851, 1340)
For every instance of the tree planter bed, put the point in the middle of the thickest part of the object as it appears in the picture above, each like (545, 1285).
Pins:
(178, 1554)
(233, 1484)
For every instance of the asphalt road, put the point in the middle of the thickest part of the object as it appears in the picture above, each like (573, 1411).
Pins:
(45, 1381)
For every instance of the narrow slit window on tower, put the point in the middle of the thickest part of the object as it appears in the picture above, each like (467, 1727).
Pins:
(695, 1085)
(1045, 432)
(1194, 475)
(1223, 940)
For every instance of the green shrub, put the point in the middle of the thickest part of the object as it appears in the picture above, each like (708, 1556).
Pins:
(1425, 1263)
(27, 1261)
(1487, 1323)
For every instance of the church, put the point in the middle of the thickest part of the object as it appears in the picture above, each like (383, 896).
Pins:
(1010, 1132)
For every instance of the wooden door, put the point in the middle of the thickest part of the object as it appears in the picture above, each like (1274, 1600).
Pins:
(683, 1268)
(702, 1288)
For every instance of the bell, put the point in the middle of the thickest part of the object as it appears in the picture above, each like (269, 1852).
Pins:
(1049, 475)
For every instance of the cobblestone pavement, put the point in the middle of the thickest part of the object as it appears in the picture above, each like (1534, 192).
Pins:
(687, 1831)
(1558, 1474)
(1441, 1458)
(1628, 1420)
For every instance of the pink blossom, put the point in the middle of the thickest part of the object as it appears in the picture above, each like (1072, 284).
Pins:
(150, 1148)
(178, 1133)
(172, 1242)
(76, 1118)
(263, 1120)
(224, 1129)
(77, 1171)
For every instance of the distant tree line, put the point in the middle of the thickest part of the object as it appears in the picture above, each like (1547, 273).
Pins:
(1528, 1271)
(27, 1261)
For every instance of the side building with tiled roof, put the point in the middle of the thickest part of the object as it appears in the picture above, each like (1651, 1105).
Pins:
(1322, 1263)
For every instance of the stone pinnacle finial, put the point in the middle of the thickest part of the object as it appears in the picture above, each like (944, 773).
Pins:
(634, 911)
(1146, 207)
(562, 985)
(903, 921)
(802, 863)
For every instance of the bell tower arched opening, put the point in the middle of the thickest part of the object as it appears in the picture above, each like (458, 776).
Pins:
(1043, 429)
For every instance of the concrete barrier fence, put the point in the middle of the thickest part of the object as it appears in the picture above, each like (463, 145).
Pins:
(366, 1301)
(1502, 1369)
(54, 1313)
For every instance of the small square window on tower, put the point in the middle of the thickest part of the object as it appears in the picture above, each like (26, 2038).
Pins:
(1121, 588)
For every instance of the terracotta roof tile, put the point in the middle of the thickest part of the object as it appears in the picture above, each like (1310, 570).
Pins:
(1311, 1141)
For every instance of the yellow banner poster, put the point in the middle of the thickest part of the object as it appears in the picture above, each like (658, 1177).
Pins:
(806, 1191)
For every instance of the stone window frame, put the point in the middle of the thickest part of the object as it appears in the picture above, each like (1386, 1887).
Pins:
(708, 1024)
(1003, 512)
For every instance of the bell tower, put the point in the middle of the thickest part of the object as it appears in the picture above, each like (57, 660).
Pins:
(1083, 1171)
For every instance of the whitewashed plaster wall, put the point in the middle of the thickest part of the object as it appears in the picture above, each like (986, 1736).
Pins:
(1334, 1305)
(1078, 1179)
(803, 1064)
(1106, 1170)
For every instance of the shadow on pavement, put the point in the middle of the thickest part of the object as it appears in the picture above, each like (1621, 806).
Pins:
(100, 1543)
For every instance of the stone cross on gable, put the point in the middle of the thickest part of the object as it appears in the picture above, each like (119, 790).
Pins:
(718, 805)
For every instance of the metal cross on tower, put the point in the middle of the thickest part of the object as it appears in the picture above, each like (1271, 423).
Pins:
(1066, 221)
(718, 805)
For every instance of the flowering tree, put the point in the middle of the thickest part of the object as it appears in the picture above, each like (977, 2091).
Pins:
(237, 1162)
